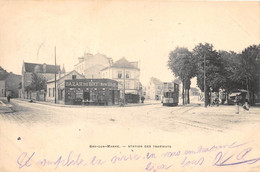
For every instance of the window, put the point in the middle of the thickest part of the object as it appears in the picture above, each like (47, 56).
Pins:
(119, 75)
(74, 76)
(49, 92)
(53, 91)
(127, 75)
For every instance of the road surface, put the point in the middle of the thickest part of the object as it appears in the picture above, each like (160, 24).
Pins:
(50, 130)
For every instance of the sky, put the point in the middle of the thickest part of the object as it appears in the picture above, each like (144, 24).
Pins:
(144, 31)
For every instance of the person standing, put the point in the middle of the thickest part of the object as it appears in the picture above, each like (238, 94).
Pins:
(142, 99)
(237, 104)
(246, 106)
(8, 98)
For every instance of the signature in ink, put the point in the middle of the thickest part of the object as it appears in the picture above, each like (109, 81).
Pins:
(235, 159)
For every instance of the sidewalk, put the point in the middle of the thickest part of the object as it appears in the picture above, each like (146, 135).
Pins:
(5, 107)
(150, 102)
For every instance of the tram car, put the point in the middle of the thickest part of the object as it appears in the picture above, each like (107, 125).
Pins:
(170, 94)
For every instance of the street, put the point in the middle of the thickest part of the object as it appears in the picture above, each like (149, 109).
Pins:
(51, 130)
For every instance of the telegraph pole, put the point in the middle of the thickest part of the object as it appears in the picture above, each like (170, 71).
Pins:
(205, 101)
(55, 74)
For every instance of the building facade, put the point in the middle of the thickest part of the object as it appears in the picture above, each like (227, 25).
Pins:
(2, 88)
(3, 76)
(154, 89)
(13, 84)
(91, 65)
(91, 92)
(126, 74)
(60, 86)
(44, 70)
(9, 83)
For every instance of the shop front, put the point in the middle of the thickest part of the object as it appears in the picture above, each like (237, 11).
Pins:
(91, 92)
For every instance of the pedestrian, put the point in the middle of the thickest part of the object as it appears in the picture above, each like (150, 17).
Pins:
(8, 98)
(142, 99)
(236, 101)
(246, 106)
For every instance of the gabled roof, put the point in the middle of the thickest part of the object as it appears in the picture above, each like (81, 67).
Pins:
(30, 67)
(66, 74)
(122, 63)
(156, 81)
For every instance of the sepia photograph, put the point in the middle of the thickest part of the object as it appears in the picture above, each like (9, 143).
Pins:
(129, 86)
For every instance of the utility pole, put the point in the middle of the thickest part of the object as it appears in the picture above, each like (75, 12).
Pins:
(55, 74)
(205, 101)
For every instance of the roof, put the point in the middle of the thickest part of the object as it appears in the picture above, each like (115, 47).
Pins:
(88, 55)
(123, 63)
(156, 81)
(30, 67)
(66, 74)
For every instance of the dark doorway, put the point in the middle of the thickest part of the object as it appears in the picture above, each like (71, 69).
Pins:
(113, 96)
(86, 96)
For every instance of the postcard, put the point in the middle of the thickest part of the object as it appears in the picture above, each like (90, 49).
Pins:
(138, 86)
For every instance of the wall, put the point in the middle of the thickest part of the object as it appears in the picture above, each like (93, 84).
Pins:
(2, 88)
(60, 88)
(92, 65)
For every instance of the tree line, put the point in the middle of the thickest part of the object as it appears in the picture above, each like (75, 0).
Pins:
(223, 70)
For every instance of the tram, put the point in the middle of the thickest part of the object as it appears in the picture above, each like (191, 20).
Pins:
(170, 94)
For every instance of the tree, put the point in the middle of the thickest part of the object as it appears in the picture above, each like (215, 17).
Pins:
(245, 74)
(230, 63)
(38, 83)
(182, 66)
(213, 67)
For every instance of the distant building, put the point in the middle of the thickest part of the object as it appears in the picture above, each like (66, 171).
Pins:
(44, 70)
(3, 76)
(60, 86)
(154, 89)
(9, 83)
(91, 65)
(127, 75)
(12, 84)
(194, 91)
(2, 88)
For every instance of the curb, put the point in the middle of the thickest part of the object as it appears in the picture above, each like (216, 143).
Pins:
(79, 106)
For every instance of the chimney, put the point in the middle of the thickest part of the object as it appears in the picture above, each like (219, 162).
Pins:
(44, 67)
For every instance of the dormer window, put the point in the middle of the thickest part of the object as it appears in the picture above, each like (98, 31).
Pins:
(74, 76)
